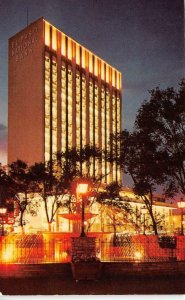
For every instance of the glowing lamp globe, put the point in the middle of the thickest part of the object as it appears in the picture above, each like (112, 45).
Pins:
(3, 210)
(181, 204)
(82, 188)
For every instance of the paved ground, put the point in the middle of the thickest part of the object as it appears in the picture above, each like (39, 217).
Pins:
(106, 286)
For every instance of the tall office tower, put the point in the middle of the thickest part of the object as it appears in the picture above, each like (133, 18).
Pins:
(61, 95)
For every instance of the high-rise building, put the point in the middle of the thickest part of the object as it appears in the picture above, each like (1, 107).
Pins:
(61, 95)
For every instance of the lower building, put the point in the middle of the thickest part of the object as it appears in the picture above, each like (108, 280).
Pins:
(107, 219)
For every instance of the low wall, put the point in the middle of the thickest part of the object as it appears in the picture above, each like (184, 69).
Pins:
(35, 270)
(148, 269)
(113, 269)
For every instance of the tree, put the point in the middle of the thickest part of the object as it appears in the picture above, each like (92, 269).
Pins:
(154, 153)
(89, 156)
(114, 206)
(78, 164)
(51, 187)
(4, 184)
(139, 160)
(162, 121)
(20, 186)
(81, 160)
(57, 188)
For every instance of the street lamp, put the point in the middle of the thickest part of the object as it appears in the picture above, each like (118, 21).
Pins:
(144, 211)
(82, 189)
(3, 211)
(181, 205)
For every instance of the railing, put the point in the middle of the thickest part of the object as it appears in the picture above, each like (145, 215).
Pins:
(35, 249)
(143, 248)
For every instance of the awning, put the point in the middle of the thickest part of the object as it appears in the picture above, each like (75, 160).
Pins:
(77, 217)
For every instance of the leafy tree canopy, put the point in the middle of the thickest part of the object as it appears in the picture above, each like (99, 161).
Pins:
(162, 121)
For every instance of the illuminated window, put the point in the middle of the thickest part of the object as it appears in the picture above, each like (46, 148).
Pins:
(113, 78)
(84, 141)
(63, 107)
(120, 81)
(69, 50)
(83, 58)
(108, 131)
(54, 106)
(95, 66)
(63, 48)
(118, 115)
(47, 34)
(117, 80)
(96, 129)
(107, 115)
(47, 107)
(113, 114)
(118, 130)
(103, 117)
(90, 63)
(91, 112)
(107, 73)
(78, 109)
(103, 128)
(77, 54)
(114, 172)
(87, 59)
(110, 74)
(118, 174)
(102, 70)
(54, 39)
(96, 115)
(91, 169)
(70, 107)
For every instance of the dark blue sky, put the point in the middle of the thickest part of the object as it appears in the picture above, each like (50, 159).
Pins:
(141, 38)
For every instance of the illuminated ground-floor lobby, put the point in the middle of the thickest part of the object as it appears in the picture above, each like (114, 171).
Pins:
(103, 218)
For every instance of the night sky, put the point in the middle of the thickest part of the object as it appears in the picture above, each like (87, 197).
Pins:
(141, 38)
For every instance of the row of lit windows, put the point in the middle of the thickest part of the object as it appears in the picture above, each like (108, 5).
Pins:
(78, 117)
(73, 51)
(96, 119)
(66, 108)
(93, 107)
(94, 130)
(98, 135)
(91, 116)
(70, 107)
(50, 112)
(47, 108)
(63, 108)
(83, 116)
(54, 106)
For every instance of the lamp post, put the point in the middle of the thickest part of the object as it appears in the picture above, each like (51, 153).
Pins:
(3, 211)
(181, 205)
(144, 211)
(82, 189)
